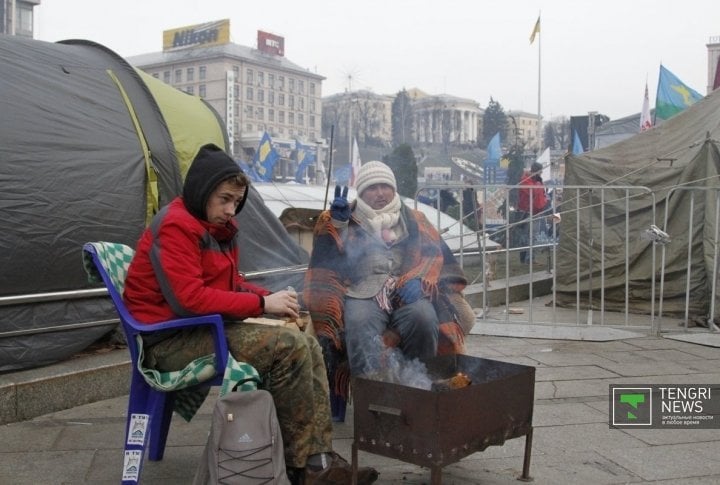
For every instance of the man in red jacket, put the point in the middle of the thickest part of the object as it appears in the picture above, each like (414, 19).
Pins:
(186, 264)
(532, 201)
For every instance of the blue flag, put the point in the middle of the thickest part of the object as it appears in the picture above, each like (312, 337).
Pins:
(305, 157)
(494, 153)
(673, 95)
(577, 144)
(250, 171)
(265, 158)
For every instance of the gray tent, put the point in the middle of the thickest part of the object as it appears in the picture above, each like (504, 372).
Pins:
(683, 151)
(89, 149)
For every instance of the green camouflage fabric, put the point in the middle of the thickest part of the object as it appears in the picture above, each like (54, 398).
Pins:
(293, 371)
(189, 397)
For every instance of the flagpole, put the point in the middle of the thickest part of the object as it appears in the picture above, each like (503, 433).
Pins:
(539, 140)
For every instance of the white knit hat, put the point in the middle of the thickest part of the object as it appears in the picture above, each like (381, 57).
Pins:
(372, 173)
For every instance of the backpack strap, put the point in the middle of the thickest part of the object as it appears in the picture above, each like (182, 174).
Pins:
(240, 375)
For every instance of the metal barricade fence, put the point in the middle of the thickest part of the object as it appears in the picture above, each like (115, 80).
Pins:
(708, 208)
(591, 285)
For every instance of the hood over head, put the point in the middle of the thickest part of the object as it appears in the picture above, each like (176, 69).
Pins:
(209, 168)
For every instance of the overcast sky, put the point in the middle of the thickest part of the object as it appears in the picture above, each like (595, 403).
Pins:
(596, 55)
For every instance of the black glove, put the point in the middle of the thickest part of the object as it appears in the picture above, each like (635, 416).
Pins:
(340, 208)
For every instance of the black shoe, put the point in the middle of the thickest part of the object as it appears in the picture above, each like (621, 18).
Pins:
(339, 472)
(296, 475)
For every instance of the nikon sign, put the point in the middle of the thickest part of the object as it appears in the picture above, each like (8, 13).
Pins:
(200, 35)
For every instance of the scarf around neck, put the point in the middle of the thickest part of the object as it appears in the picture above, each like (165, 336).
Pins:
(383, 222)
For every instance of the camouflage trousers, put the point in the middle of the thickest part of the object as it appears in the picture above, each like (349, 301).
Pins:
(291, 366)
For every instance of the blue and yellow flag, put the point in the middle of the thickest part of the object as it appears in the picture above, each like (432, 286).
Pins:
(265, 158)
(673, 95)
(305, 156)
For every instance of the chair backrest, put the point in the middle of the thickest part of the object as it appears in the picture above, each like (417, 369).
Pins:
(108, 262)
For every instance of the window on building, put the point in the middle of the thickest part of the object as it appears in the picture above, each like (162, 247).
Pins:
(260, 96)
(291, 84)
(312, 106)
(312, 121)
(236, 90)
(312, 89)
(166, 77)
(281, 99)
(156, 75)
(301, 119)
(190, 89)
(202, 91)
(249, 110)
(281, 117)
(301, 86)
(236, 71)
(271, 81)
(261, 78)
(281, 83)
(190, 74)
(271, 97)
(237, 109)
(250, 76)
(313, 136)
(281, 130)
(301, 103)
(249, 127)
(24, 17)
(202, 72)
(271, 114)
(260, 112)
(291, 101)
(291, 118)
(249, 94)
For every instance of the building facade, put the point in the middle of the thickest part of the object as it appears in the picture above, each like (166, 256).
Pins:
(16, 17)
(254, 90)
(436, 119)
(445, 119)
(362, 115)
(522, 128)
(713, 49)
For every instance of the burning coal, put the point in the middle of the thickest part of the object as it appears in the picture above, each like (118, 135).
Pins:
(389, 365)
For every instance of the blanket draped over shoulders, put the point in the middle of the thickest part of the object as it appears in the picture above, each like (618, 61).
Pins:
(426, 257)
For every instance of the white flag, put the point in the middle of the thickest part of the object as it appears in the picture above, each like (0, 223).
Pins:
(645, 120)
(354, 163)
(544, 160)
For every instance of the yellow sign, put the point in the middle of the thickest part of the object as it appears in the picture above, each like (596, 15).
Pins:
(200, 35)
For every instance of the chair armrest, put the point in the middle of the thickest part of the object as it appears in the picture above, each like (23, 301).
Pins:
(214, 321)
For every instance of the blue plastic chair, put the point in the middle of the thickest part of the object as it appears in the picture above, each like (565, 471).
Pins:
(111, 260)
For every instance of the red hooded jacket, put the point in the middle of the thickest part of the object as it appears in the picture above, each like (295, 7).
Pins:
(185, 266)
(531, 188)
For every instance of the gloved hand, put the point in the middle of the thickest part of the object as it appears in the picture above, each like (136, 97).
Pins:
(340, 208)
(411, 291)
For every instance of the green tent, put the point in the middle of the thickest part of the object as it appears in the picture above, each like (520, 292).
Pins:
(90, 148)
(682, 152)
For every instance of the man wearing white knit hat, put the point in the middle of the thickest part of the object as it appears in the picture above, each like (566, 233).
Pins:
(379, 277)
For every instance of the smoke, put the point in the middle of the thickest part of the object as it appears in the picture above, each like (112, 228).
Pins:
(388, 364)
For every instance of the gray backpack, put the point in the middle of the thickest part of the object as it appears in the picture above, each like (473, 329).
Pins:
(245, 446)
